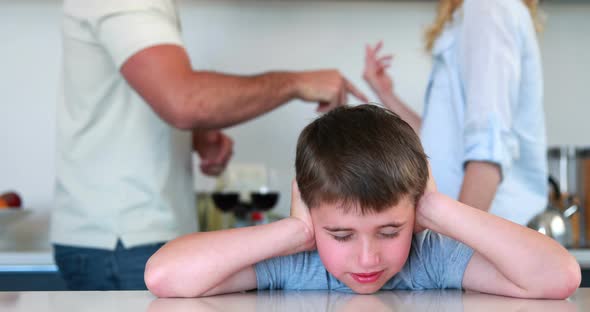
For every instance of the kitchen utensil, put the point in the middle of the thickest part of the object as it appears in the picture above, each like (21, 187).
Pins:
(552, 222)
(570, 166)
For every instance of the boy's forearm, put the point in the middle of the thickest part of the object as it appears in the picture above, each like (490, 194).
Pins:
(525, 257)
(195, 263)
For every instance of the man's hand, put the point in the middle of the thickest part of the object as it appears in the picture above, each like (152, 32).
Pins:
(300, 211)
(215, 150)
(375, 73)
(327, 87)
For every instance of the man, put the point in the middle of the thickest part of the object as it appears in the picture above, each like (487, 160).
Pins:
(132, 108)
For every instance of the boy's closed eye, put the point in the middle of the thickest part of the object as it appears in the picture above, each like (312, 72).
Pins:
(343, 235)
(340, 235)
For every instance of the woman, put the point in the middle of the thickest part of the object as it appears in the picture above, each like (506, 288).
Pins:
(483, 122)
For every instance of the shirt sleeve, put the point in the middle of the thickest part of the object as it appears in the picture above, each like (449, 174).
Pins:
(490, 69)
(301, 271)
(437, 261)
(124, 33)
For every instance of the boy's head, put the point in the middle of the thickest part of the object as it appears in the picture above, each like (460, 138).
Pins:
(361, 170)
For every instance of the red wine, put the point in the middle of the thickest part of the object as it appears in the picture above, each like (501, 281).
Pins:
(226, 202)
(264, 201)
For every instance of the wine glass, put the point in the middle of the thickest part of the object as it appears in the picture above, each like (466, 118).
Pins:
(266, 196)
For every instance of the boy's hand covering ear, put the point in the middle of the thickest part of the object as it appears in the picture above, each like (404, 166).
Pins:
(430, 188)
(431, 185)
(300, 211)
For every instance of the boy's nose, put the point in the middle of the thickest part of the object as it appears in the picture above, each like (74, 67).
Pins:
(369, 256)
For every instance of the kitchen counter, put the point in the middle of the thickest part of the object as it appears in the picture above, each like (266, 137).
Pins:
(29, 261)
(583, 257)
(437, 300)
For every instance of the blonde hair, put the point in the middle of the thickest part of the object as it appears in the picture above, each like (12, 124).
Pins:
(445, 11)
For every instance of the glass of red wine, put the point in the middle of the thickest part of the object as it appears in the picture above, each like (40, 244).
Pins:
(264, 201)
(226, 201)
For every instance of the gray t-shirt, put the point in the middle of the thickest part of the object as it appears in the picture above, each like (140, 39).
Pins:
(435, 262)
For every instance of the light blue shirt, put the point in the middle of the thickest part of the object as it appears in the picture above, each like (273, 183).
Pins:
(435, 262)
(484, 102)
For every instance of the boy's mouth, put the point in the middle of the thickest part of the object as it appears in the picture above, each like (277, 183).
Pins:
(366, 278)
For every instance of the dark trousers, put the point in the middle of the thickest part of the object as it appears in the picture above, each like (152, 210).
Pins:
(100, 269)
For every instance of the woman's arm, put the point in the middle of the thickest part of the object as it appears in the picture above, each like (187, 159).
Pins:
(490, 71)
(480, 183)
(508, 259)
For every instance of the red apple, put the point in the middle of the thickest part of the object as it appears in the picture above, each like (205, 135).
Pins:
(12, 199)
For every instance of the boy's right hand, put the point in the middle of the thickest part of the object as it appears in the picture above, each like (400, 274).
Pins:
(300, 212)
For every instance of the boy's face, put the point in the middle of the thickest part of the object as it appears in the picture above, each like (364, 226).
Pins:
(364, 251)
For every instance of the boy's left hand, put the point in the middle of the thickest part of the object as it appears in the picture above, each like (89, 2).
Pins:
(420, 205)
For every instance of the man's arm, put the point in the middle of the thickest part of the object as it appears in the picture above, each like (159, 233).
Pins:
(508, 259)
(214, 148)
(189, 99)
(480, 183)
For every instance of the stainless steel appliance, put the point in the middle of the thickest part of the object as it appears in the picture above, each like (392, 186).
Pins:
(570, 167)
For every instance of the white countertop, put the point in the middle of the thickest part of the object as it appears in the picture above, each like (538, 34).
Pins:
(436, 300)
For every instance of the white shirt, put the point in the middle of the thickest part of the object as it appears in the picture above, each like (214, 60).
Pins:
(484, 103)
(122, 172)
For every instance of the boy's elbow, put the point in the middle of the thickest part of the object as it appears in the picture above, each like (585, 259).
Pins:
(573, 278)
(155, 280)
(161, 282)
(570, 277)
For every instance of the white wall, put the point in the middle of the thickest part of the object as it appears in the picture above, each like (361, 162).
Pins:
(252, 36)
(566, 59)
(259, 36)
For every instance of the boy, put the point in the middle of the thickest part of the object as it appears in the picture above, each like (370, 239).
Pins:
(365, 178)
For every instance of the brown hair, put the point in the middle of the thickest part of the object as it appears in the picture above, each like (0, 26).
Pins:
(363, 155)
(445, 14)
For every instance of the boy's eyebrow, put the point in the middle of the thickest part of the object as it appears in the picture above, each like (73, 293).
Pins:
(341, 229)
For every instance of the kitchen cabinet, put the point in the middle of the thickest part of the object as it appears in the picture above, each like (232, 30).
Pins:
(20, 271)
